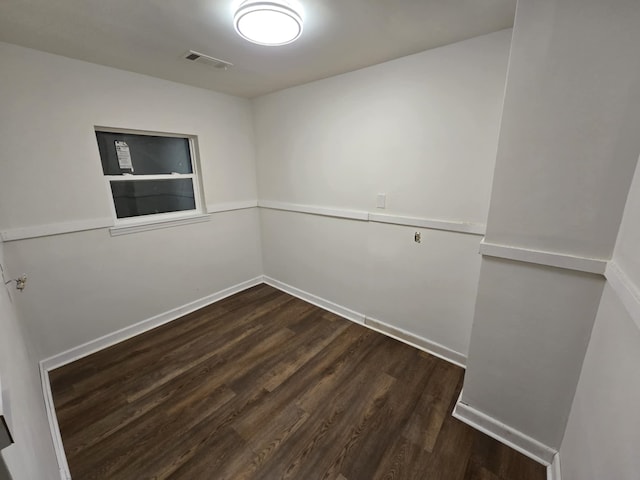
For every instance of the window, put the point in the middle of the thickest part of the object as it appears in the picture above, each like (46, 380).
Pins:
(152, 177)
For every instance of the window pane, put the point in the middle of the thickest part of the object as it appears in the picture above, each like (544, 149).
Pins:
(150, 155)
(146, 197)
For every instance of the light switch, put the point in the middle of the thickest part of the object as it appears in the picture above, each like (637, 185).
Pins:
(381, 201)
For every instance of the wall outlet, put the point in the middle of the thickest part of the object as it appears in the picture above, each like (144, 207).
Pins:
(21, 282)
(381, 200)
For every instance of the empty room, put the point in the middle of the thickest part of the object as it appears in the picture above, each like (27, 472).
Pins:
(320, 239)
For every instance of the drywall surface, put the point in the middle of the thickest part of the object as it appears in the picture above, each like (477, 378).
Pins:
(603, 432)
(568, 141)
(87, 284)
(50, 106)
(32, 455)
(432, 285)
(530, 333)
(627, 252)
(320, 255)
(566, 155)
(421, 129)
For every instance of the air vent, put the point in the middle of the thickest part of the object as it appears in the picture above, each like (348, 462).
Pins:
(207, 60)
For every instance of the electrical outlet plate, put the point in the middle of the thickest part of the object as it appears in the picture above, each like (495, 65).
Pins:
(381, 200)
(21, 282)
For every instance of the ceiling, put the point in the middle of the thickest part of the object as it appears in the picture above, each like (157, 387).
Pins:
(151, 36)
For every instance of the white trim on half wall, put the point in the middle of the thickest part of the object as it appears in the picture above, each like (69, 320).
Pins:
(315, 210)
(539, 257)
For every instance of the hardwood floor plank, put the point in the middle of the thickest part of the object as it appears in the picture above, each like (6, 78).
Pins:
(262, 385)
(357, 431)
(451, 453)
(230, 455)
(394, 416)
(434, 406)
(502, 461)
(268, 439)
(320, 447)
(400, 461)
(132, 360)
(340, 391)
(114, 356)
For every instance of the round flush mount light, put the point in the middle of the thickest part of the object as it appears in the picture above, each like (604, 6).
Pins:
(268, 23)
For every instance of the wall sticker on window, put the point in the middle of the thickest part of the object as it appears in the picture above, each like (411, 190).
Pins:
(124, 155)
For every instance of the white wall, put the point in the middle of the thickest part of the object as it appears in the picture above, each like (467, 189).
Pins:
(603, 432)
(50, 105)
(422, 129)
(566, 155)
(320, 255)
(426, 288)
(626, 254)
(86, 284)
(530, 333)
(569, 127)
(32, 455)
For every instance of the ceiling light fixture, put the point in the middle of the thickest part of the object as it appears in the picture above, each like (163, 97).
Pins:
(268, 23)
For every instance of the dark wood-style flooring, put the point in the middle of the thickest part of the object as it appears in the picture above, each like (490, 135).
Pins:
(262, 385)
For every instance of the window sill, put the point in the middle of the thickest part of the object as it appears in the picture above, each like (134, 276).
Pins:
(157, 224)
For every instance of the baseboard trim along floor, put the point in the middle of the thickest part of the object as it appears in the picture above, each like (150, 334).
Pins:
(420, 343)
(553, 470)
(126, 333)
(509, 436)
(344, 312)
(105, 341)
(463, 412)
(403, 336)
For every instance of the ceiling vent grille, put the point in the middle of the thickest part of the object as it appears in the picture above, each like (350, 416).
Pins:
(207, 60)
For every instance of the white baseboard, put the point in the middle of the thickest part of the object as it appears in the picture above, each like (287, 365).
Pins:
(553, 470)
(503, 433)
(415, 341)
(105, 341)
(317, 301)
(125, 333)
(54, 428)
(463, 412)
(420, 343)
